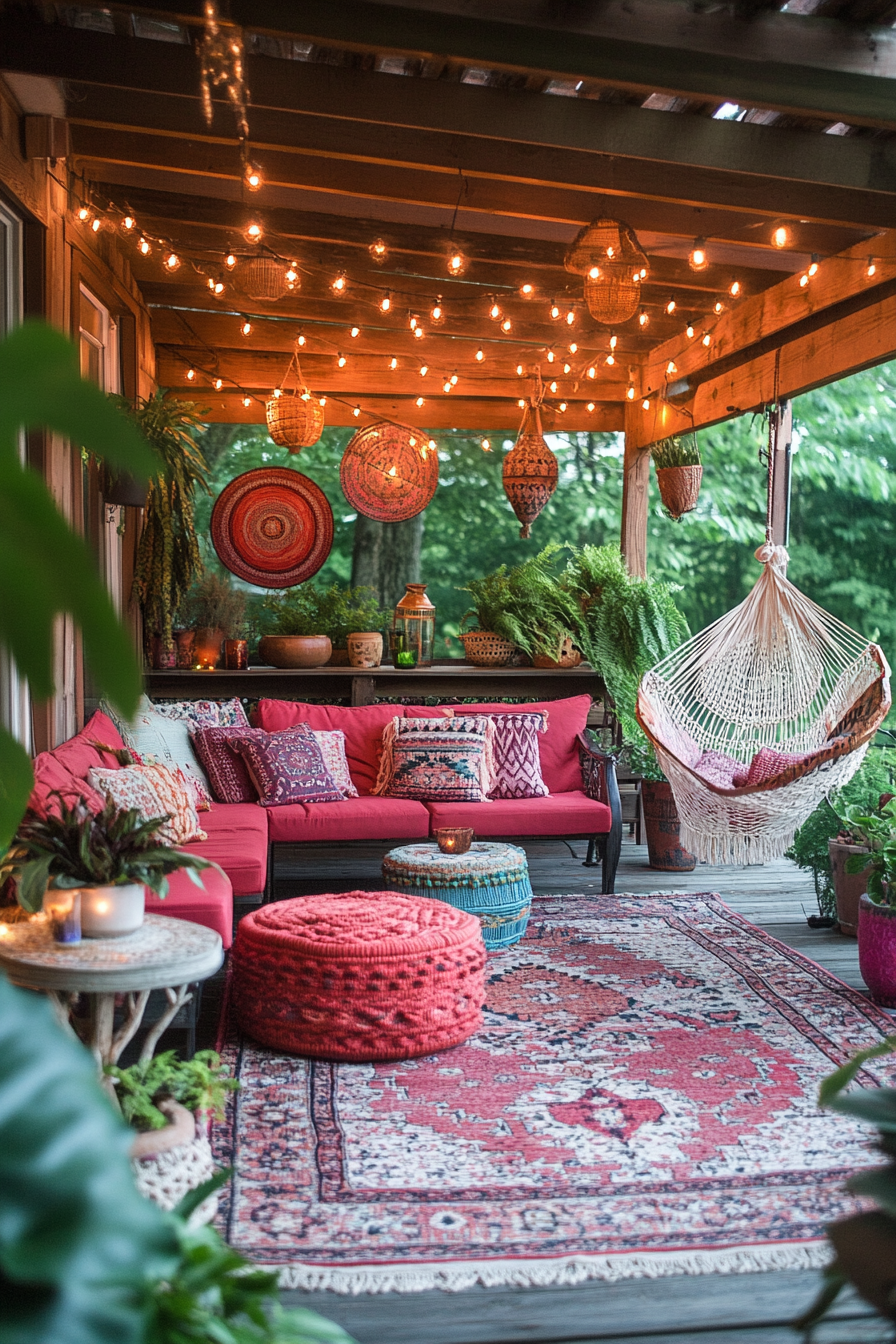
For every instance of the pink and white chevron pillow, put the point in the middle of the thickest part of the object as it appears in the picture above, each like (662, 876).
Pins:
(516, 755)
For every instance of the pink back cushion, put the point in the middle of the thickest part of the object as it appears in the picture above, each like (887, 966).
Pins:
(52, 777)
(362, 724)
(557, 746)
(77, 755)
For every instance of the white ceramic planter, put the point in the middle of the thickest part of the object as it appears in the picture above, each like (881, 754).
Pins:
(112, 912)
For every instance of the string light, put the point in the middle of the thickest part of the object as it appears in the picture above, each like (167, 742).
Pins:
(432, 444)
(393, 363)
(562, 406)
(216, 287)
(172, 261)
(378, 251)
(128, 223)
(144, 247)
(645, 405)
(592, 372)
(555, 311)
(413, 321)
(230, 261)
(527, 291)
(457, 262)
(292, 277)
(252, 176)
(300, 339)
(521, 403)
(631, 392)
(614, 341)
(707, 339)
(385, 303)
(339, 284)
(420, 401)
(486, 445)
(494, 311)
(418, 332)
(570, 317)
(247, 401)
(278, 392)
(717, 308)
(446, 386)
(871, 267)
(453, 380)
(551, 356)
(306, 395)
(356, 411)
(804, 279)
(671, 306)
(611, 359)
(594, 273)
(341, 360)
(553, 387)
(437, 312)
(424, 370)
(781, 236)
(96, 224)
(698, 260)
(642, 274)
(519, 370)
(191, 375)
(254, 231)
(84, 213)
(734, 289)
(246, 327)
(322, 401)
(566, 368)
(813, 268)
(219, 383)
(689, 331)
(643, 318)
(573, 347)
(506, 324)
(591, 406)
(355, 331)
(671, 368)
(480, 355)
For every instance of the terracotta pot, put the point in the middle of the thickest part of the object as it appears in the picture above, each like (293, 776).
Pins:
(679, 488)
(295, 650)
(162, 656)
(662, 828)
(877, 950)
(569, 657)
(365, 650)
(184, 641)
(168, 1163)
(207, 644)
(338, 658)
(848, 887)
(112, 912)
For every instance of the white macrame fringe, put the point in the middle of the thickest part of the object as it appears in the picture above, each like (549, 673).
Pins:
(735, 849)
(460, 1275)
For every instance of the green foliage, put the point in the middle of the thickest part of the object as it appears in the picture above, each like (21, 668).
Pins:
(168, 557)
(679, 450)
(213, 603)
(77, 849)
(77, 1242)
(337, 611)
(45, 568)
(196, 1083)
(810, 844)
(527, 605)
(877, 830)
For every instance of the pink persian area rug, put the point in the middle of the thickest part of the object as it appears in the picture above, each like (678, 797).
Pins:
(640, 1102)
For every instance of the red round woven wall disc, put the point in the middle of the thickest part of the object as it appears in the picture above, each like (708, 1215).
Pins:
(389, 472)
(272, 527)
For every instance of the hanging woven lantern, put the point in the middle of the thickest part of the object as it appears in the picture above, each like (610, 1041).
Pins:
(389, 472)
(295, 418)
(610, 248)
(530, 471)
(263, 278)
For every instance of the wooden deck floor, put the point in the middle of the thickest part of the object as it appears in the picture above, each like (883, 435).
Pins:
(712, 1309)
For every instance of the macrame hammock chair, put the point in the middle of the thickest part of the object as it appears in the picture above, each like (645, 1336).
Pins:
(761, 715)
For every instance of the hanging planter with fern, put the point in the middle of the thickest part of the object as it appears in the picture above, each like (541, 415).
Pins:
(678, 473)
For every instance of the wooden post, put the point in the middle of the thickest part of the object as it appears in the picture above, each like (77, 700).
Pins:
(636, 468)
(780, 440)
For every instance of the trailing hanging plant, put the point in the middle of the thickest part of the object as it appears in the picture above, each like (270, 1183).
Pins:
(168, 557)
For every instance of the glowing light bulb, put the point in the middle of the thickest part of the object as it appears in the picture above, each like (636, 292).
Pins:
(494, 311)
(432, 444)
(385, 303)
(218, 289)
(506, 324)
(378, 251)
(570, 317)
(453, 380)
(734, 288)
(84, 213)
(871, 268)
(412, 322)
(230, 261)
(671, 306)
(689, 331)
(356, 331)
(457, 263)
(424, 370)
(252, 176)
(614, 341)
(446, 386)
(322, 401)
(144, 247)
(128, 223)
(418, 333)
(590, 406)
(278, 392)
(341, 361)
(419, 401)
(393, 471)
(562, 406)
(592, 372)
(219, 383)
(566, 368)
(254, 232)
(643, 318)
(804, 279)
(707, 339)
(393, 363)
(611, 359)
(437, 312)
(172, 261)
(356, 411)
(300, 339)
(594, 273)
(573, 347)
(813, 269)
(671, 367)
(306, 395)
(480, 356)
(519, 370)
(339, 284)
(717, 307)
(781, 236)
(555, 311)
(247, 401)
(246, 327)
(292, 276)
(96, 224)
(551, 356)
(526, 291)
(643, 273)
(553, 387)
(645, 405)
(191, 374)
(486, 445)
(611, 252)
(630, 393)
(698, 260)
(211, 283)
(521, 403)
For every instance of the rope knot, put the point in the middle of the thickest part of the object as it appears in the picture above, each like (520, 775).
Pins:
(768, 553)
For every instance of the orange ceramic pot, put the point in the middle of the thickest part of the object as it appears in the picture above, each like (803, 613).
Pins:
(295, 650)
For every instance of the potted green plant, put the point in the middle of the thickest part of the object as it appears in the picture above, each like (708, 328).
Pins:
(877, 906)
(678, 473)
(168, 558)
(166, 1099)
(309, 626)
(215, 611)
(110, 858)
(528, 608)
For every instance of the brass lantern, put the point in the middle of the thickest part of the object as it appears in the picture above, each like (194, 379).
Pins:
(414, 624)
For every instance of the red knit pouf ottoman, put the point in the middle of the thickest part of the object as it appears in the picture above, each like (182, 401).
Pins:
(363, 976)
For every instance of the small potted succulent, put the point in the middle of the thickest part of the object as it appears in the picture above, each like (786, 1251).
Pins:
(678, 473)
(109, 858)
(877, 907)
(167, 1100)
(215, 611)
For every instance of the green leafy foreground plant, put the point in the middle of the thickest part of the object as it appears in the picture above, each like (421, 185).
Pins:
(197, 1083)
(528, 605)
(45, 568)
(877, 830)
(78, 849)
(336, 611)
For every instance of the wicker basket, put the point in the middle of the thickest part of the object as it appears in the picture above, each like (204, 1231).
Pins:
(679, 488)
(293, 421)
(611, 246)
(263, 278)
(484, 649)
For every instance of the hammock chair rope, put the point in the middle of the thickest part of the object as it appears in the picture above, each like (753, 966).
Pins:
(762, 714)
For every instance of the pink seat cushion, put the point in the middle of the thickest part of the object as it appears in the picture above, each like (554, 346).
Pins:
(572, 813)
(561, 769)
(50, 777)
(210, 905)
(362, 724)
(363, 818)
(718, 768)
(767, 763)
(77, 755)
(238, 841)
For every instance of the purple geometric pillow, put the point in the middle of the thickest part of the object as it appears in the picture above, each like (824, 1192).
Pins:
(226, 769)
(287, 767)
(517, 758)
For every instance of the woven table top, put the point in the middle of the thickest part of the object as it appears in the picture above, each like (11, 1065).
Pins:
(486, 863)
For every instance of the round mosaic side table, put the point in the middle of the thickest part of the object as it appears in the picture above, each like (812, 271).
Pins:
(164, 953)
(491, 881)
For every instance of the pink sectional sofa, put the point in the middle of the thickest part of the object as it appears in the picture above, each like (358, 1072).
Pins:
(245, 838)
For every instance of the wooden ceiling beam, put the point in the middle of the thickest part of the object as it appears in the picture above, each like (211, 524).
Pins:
(790, 62)
(439, 413)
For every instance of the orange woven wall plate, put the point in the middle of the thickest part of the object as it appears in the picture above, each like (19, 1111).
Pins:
(389, 472)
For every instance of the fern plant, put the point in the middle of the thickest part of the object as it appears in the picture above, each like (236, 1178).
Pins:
(196, 1083)
(527, 605)
(168, 557)
(679, 450)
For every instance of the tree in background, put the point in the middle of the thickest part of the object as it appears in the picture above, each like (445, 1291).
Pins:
(843, 541)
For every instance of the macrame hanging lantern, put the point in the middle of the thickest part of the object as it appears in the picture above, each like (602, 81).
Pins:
(607, 253)
(295, 418)
(530, 471)
(263, 278)
(389, 472)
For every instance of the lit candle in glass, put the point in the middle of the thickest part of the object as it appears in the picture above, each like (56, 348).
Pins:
(454, 839)
(406, 658)
(63, 911)
(111, 912)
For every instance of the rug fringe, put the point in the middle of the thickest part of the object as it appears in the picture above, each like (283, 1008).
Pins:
(461, 1275)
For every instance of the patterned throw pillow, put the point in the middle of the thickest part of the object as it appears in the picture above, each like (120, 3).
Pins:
(767, 763)
(287, 767)
(206, 713)
(438, 760)
(516, 754)
(332, 745)
(154, 790)
(227, 774)
(158, 739)
(719, 769)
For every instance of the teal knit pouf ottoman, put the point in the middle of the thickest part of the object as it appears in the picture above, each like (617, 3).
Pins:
(491, 881)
